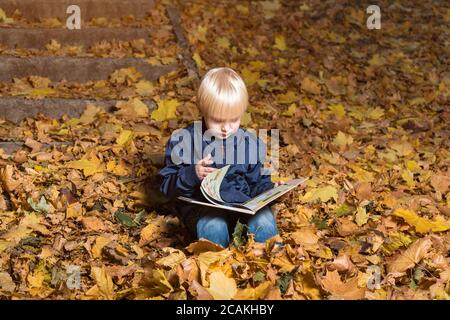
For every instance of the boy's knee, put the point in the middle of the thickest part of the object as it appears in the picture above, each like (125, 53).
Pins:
(263, 225)
(214, 229)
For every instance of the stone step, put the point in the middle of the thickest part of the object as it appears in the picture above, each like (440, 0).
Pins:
(76, 69)
(16, 109)
(39, 38)
(9, 147)
(35, 10)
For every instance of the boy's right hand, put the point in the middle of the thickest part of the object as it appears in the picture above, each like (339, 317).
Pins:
(202, 169)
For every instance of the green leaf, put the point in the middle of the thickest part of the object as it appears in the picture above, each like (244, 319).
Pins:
(343, 210)
(140, 216)
(284, 281)
(320, 224)
(124, 219)
(259, 276)
(238, 234)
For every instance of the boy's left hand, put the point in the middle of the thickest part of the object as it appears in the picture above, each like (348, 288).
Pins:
(278, 183)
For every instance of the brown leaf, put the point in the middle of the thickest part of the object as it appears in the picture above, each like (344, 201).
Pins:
(203, 245)
(410, 257)
(348, 290)
(92, 224)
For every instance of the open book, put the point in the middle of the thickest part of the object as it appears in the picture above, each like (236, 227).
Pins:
(210, 187)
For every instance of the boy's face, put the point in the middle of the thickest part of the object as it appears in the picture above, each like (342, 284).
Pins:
(222, 128)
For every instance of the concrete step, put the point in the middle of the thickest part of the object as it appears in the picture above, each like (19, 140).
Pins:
(76, 69)
(39, 38)
(9, 147)
(35, 10)
(16, 109)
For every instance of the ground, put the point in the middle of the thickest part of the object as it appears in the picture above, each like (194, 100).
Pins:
(363, 112)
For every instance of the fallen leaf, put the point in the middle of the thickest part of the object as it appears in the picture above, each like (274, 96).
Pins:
(410, 257)
(221, 287)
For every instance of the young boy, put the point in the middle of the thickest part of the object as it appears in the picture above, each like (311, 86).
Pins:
(222, 100)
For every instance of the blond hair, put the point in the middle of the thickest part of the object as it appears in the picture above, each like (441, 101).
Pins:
(222, 93)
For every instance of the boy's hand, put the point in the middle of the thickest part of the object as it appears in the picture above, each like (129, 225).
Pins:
(278, 183)
(202, 169)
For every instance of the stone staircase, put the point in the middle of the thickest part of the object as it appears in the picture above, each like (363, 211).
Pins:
(42, 21)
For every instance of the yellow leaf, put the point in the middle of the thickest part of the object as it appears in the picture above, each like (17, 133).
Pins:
(290, 111)
(221, 287)
(310, 85)
(341, 140)
(338, 110)
(308, 286)
(38, 92)
(208, 259)
(361, 216)
(174, 258)
(396, 240)
(376, 113)
(411, 165)
(376, 60)
(89, 114)
(362, 175)
(104, 282)
(242, 9)
(124, 75)
(147, 234)
(284, 264)
(288, 97)
(422, 225)
(124, 137)
(223, 42)
(257, 65)
(337, 38)
(4, 18)
(100, 242)
(251, 51)
(253, 293)
(166, 110)
(74, 210)
(89, 167)
(53, 45)
(409, 178)
(198, 60)
(323, 194)
(38, 276)
(280, 42)
(403, 149)
(144, 88)
(132, 108)
(249, 76)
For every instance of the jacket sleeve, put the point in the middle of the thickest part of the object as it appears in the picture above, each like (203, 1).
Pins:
(258, 182)
(178, 180)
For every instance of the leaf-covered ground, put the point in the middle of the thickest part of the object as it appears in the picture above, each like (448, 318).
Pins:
(364, 113)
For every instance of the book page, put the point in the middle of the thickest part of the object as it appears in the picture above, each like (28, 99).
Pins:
(268, 196)
(211, 184)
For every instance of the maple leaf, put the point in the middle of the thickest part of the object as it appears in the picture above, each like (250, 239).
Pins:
(166, 110)
(221, 287)
(345, 290)
(410, 257)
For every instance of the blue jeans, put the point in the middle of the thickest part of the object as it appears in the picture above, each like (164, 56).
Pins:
(214, 225)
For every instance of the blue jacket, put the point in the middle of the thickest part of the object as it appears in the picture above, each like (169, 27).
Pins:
(244, 179)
